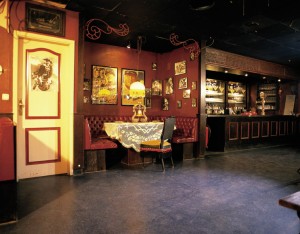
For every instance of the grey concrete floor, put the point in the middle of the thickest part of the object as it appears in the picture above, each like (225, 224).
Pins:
(233, 192)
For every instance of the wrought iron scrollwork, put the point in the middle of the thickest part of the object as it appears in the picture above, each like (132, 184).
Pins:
(190, 44)
(95, 28)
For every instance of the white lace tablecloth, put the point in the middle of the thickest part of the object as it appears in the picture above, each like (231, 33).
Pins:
(130, 135)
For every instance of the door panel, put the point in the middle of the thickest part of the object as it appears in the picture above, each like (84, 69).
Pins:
(43, 114)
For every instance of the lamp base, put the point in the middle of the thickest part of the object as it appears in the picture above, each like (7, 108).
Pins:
(139, 115)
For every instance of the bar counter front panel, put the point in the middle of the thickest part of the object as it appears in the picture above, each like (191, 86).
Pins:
(236, 131)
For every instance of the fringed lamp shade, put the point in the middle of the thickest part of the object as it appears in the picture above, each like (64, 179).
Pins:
(137, 90)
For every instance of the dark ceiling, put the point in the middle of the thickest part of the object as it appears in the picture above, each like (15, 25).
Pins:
(263, 29)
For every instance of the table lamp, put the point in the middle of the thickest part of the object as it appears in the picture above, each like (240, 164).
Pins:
(137, 90)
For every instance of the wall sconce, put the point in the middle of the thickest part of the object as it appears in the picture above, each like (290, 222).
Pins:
(129, 45)
(1, 70)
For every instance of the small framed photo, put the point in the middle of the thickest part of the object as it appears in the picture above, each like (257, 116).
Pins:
(186, 93)
(86, 84)
(154, 66)
(179, 104)
(182, 83)
(180, 68)
(169, 86)
(157, 88)
(194, 102)
(165, 104)
(86, 99)
(147, 102)
(194, 85)
(147, 98)
(45, 20)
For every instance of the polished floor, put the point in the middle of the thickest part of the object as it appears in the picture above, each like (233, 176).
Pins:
(234, 192)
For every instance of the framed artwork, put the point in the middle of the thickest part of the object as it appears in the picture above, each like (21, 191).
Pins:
(180, 68)
(104, 85)
(194, 85)
(147, 98)
(42, 100)
(169, 86)
(86, 84)
(154, 66)
(157, 87)
(194, 102)
(179, 104)
(186, 93)
(86, 99)
(130, 76)
(45, 20)
(182, 83)
(165, 104)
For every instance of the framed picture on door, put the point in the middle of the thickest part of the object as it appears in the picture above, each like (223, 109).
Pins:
(43, 84)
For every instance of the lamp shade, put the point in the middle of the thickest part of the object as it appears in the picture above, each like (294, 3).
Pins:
(137, 90)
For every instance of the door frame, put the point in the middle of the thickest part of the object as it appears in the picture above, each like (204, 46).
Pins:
(70, 47)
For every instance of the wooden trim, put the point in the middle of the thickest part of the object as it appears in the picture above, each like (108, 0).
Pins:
(58, 152)
(225, 59)
(274, 124)
(265, 124)
(234, 126)
(258, 129)
(247, 135)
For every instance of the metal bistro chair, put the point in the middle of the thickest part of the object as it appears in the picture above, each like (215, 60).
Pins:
(161, 146)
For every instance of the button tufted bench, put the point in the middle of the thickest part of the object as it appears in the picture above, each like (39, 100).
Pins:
(95, 150)
(184, 137)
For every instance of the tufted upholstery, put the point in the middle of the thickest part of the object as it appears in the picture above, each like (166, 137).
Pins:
(186, 127)
(186, 130)
(96, 124)
(96, 144)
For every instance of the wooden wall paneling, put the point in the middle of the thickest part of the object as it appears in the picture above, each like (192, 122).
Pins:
(274, 128)
(225, 59)
(245, 130)
(233, 131)
(255, 129)
(282, 128)
(265, 129)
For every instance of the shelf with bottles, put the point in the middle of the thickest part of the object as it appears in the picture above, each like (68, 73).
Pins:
(270, 91)
(215, 96)
(236, 94)
(215, 91)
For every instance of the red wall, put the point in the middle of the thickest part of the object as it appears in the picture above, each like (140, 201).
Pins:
(119, 57)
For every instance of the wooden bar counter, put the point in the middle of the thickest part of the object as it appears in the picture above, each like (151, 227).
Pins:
(239, 132)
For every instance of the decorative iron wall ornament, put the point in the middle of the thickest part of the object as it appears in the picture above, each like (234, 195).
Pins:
(95, 27)
(190, 44)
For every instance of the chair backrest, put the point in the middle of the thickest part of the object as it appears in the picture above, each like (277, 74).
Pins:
(168, 129)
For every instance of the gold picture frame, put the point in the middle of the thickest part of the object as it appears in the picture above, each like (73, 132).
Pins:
(130, 76)
(45, 20)
(104, 85)
(180, 67)
(182, 83)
